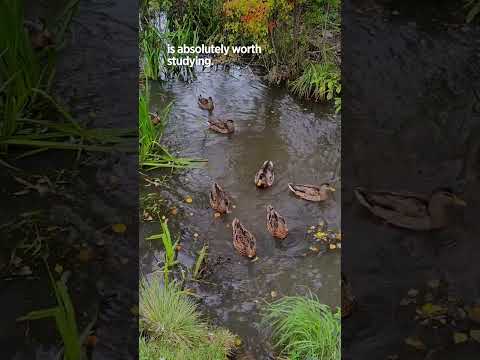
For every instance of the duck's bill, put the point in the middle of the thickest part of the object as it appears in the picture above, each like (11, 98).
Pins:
(330, 188)
(460, 202)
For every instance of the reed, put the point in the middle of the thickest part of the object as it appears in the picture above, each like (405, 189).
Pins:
(303, 328)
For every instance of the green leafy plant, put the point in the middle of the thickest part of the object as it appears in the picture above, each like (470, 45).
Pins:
(201, 258)
(172, 328)
(319, 81)
(303, 328)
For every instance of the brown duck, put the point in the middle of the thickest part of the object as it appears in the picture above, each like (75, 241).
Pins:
(221, 126)
(243, 240)
(40, 37)
(265, 176)
(155, 118)
(219, 200)
(312, 192)
(409, 210)
(348, 300)
(276, 224)
(205, 104)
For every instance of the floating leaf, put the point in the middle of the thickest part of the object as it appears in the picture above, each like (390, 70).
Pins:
(188, 199)
(320, 235)
(459, 337)
(430, 310)
(174, 211)
(332, 246)
(119, 228)
(217, 215)
(273, 294)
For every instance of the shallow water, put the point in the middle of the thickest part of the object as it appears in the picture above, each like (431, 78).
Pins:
(303, 141)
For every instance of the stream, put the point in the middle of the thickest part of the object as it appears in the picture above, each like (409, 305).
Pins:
(303, 140)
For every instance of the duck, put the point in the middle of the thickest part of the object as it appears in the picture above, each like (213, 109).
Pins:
(40, 37)
(410, 210)
(219, 199)
(312, 192)
(221, 126)
(155, 118)
(243, 240)
(205, 104)
(276, 224)
(265, 176)
(348, 300)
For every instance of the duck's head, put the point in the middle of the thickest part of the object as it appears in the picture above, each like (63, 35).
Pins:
(327, 188)
(444, 197)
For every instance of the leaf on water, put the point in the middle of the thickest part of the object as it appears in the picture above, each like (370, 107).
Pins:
(475, 335)
(273, 294)
(332, 246)
(58, 269)
(119, 228)
(178, 247)
(430, 310)
(459, 337)
(320, 235)
(415, 343)
(314, 248)
(188, 199)
(217, 215)
(174, 211)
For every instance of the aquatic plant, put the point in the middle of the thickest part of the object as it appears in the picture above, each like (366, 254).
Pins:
(201, 258)
(169, 246)
(151, 154)
(303, 328)
(172, 327)
(319, 81)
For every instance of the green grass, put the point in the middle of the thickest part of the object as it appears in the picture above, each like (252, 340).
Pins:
(172, 327)
(169, 246)
(319, 81)
(152, 155)
(303, 328)
(26, 77)
(65, 320)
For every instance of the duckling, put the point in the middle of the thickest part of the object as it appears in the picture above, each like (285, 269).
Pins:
(243, 240)
(221, 126)
(276, 224)
(155, 118)
(409, 210)
(205, 104)
(312, 192)
(348, 300)
(265, 176)
(219, 200)
(40, 37)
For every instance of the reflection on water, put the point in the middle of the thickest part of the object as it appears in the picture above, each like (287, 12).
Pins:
(304, 144)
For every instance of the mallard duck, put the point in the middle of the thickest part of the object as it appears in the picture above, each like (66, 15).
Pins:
(155, 118)
(409, 210)
(311, 192)
(205, 104)
(219, 200)
(243, 240)
(265, 176)
(276, 224)
(348, 300)
(40, 37)
(221, 126)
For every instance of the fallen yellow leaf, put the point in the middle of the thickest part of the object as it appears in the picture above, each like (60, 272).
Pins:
(188, 199)
(320, 235)
(119, 228)
(174, 211)
(430, 310)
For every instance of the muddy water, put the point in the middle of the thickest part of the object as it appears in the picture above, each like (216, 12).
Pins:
(303, 141)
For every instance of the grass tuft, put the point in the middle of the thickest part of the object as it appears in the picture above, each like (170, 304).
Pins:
(303, 328)
(172, 327)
